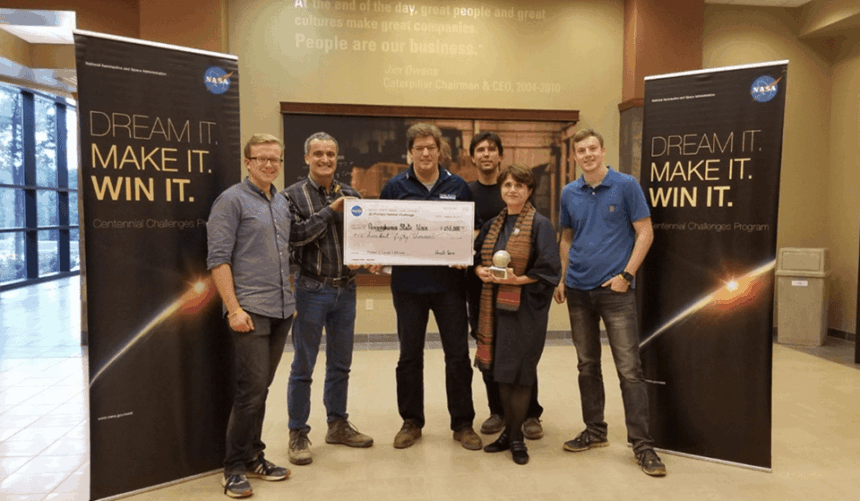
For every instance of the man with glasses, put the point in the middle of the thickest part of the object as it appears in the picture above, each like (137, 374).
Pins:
(248, 236)
(417, 290)
(325, 297)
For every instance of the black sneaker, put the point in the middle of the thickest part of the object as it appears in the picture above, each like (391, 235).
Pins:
(650, 463)
(267, 470)
(236, 486)
(584, 441)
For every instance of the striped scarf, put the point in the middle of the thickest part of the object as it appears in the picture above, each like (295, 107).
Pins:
(519, 246)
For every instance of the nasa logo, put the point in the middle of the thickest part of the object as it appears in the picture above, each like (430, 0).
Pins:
(764, 88)
(356, 211)
(217, 80)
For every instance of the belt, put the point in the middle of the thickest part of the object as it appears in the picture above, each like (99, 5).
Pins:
(331, 281)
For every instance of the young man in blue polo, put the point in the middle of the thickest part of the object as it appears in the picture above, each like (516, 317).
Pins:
(606, 233)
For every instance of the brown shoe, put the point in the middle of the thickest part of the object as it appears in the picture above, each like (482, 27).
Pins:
(468, 438)
(345, 433)
(300, 452)
(532, 428)
(408, 435)
(493, 425)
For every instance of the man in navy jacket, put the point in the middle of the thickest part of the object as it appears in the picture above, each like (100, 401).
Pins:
(417, 290)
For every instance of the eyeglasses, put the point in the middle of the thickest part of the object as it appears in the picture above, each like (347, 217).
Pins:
(264, 160)
(420, 149)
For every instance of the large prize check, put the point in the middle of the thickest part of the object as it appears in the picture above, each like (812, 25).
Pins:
(408, 232)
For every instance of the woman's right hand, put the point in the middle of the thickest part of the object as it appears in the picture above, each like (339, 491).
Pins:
(484, 274)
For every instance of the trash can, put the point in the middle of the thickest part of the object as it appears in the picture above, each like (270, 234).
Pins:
(802, 294)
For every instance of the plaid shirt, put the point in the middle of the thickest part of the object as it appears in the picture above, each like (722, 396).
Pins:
(317, 230)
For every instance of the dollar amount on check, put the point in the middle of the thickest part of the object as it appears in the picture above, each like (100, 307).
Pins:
(408, 232)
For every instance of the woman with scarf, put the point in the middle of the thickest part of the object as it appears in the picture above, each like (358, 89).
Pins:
(514, 307)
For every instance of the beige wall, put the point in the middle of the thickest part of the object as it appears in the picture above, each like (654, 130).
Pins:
(197, 23)
(578, 46)
(742, 35)
(843, 192)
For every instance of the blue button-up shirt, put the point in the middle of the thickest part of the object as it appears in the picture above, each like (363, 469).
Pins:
(252, 234)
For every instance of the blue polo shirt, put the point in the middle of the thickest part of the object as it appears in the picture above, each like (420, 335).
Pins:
(427, 279)
(602, 222)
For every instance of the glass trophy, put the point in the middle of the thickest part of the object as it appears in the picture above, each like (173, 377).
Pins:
(500, 264)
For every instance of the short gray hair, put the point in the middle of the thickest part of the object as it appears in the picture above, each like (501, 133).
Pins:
(320, 136)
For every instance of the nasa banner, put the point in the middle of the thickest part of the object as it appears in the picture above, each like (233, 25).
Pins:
(159, 132)
(711, 152)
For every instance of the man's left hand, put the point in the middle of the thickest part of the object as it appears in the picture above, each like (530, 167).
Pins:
(617, 284)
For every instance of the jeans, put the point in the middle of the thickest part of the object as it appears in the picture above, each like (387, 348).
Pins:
(413, 312)
(317, 306)
(494, 400)
(256, 355)
(618, 311)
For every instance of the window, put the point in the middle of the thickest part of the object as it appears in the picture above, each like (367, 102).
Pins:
(39, 230)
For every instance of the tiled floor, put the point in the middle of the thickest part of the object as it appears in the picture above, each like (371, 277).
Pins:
(43, 429)
(43, 398)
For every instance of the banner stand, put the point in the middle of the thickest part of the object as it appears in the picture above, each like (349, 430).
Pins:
(159, 136)
(711, 155)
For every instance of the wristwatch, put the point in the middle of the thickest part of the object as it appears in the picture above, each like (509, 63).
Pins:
(627, 276)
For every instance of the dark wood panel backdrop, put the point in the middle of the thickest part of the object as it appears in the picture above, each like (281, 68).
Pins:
(372, 145)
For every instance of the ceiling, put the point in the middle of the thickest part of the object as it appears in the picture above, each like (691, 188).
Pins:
(39, 26)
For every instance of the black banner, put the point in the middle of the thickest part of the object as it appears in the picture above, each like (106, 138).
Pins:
(159, 131)
(711, 151)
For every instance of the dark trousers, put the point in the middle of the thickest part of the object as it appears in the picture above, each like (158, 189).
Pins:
(256, 355)
(495, 401)
(413, 312)
(618, 311)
